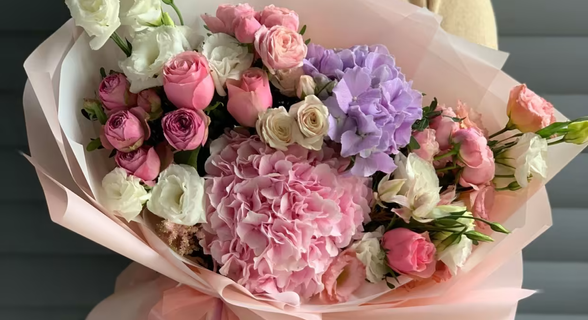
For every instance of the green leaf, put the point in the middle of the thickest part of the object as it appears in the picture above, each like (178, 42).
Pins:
(307, 41)
(434, 114)
(112, 153)
(187, 157)
(475, 242)
(95, 144)
(434, 104)
(103, 72)
(212, 107)
(478, 236)
(455, 119)
(303, 30)
(129, 45)
(391, 286)
(414, 144)
(206, 27)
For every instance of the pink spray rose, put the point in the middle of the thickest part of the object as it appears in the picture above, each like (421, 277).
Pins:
(143, 163)
(125, 130)
(527, 111)
(444, 126)
(227, 16)
(249, 96)
(480, 201)
(481, 174)
(280, 47)
(429, 145)
(186, 129)
(410, 253)
(276, 16)
(187, 81)
(150, 101)
(344, 276)
(245, 28)
(472, 146)
(115, 95)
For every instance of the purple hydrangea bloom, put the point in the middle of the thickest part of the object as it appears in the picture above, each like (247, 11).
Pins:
(372, 107)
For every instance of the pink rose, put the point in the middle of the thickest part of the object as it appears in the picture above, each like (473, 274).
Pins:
(186, 129)
(227, 17)
(345, 275)
(481, 174)
(480, 201)
(448, 196)
(249, 96)
(276, 16)
(444, 126)
(143, 163)
(428, 142)
(472, 146)
(115, 95)
(150, 101)
(125, 130)
(470, 118)
(410, 253)
(527, 111)
(280, 47)
(245, 29)
(187, 81)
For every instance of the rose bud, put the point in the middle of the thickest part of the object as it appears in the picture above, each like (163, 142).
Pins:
(186, 129)
(227, 17)
(527, 111)
(305, 86)
(410, 253)
(245, 29)
(276, 16)
(143, 163)
(287, 80)
(115, 95)
(150, 101)
(578, 132)
(126, 130)
(187, 81)
(249, 97)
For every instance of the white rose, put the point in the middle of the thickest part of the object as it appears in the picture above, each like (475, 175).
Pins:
(98, 17)
(421, 189)
(370, 253)
(123, 194)
(140, 14)
(305, 86)
(311, 116)
(179, 196)
(227, 58)
(277, 128)
(527, 158)
(151, 50)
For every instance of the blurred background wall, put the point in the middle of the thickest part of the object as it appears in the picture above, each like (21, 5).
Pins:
(50, 273)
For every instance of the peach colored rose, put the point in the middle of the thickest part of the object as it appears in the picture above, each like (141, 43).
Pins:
(345, 275)
(527, 111)
(280, 47)
(410, 253)
(249, 96)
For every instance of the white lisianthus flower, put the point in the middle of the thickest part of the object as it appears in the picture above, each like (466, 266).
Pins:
(179, 196)
(227, 58)
(388, 190)
(98, 17)
(312, 116)
(123, 194)
(140, 14)
(369, 251)
(455, 256)
(151, 50)
(421, 188)
(527, 158)
(277, 128)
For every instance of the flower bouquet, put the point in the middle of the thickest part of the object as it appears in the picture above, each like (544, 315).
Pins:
(274, 161)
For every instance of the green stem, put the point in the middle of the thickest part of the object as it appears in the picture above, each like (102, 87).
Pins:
(504, 176)
(562, 140)
(445, 155)
(499, 132)
(177, 10)
(503, 189)
(447, 169)
(121, 44)
(515, 136)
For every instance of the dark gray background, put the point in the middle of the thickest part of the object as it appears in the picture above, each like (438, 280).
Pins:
(50, 273)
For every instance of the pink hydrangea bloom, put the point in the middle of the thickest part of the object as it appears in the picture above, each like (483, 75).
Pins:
(276, 220)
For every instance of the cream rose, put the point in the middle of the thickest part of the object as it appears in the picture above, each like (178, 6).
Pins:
(123, 194)
(370, 253)
(287, 80)
(179, 196)
(305, 86)
(311, 116)
(140, 14)
(227, 59)
(98, 17)
(277, 128)
(527, 158)
(151, 50)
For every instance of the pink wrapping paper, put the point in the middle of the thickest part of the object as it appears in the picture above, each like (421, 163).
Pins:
(63, 70)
